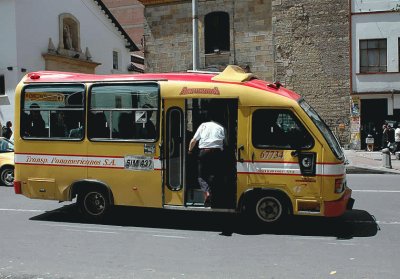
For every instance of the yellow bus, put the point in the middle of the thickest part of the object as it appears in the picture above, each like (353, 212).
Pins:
(122, 140)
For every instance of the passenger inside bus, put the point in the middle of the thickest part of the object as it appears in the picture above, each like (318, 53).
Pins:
(146, 130)
(98, 126)
(58, 125)
(35, 126)
(126, 128)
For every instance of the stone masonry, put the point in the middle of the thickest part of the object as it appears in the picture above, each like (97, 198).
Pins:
(312, 56)
(302, 43)
(168, 36)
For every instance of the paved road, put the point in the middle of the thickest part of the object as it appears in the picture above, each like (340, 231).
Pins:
(45, 239)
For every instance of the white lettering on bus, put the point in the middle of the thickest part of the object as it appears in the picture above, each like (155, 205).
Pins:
(87, 162)
(30, 159)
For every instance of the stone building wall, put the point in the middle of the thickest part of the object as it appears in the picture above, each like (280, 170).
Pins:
(302, 43)
(312, 56)
(168, 36)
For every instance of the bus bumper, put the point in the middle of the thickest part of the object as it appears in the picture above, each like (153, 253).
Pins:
(338, 207)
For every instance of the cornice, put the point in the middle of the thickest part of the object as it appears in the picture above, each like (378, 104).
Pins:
(159, 2)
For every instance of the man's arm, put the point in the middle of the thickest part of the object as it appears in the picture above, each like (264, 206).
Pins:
(192, 144)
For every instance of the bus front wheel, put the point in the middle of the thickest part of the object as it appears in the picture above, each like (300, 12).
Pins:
(269, 209)
(94, 204)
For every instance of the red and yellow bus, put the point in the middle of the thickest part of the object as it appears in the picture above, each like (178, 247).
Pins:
(122, 140)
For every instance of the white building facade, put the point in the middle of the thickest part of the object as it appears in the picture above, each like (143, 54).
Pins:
(76, 36)
(375, 31)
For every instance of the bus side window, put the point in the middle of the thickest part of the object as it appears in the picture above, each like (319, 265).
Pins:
(51, 111)
(277, 128)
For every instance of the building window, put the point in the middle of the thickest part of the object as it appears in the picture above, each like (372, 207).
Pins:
(115, 60)
(216, 32)
(2, 85)
(373, 56)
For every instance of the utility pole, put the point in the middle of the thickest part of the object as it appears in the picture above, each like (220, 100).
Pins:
(195, 36)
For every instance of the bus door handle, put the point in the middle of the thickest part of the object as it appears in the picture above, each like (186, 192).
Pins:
(252, 158)
(240, 149)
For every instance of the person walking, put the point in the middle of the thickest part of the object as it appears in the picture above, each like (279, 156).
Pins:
(385, 136)
(8, 132)
(210, 136)
(397, 137)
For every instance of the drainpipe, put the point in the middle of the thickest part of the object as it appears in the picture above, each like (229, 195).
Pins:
(195, 35)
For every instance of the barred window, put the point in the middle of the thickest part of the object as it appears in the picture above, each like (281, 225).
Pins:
(53, 112)
(373, 56)
(123, 112)
(216, 32)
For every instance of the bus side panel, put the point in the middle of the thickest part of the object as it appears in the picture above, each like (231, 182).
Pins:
(47, 171)
(129, 186)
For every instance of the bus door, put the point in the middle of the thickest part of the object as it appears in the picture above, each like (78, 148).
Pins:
(198, 110)
(173, 148)
(282, 152)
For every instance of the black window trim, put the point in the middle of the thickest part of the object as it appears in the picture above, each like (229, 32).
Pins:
(360, 50)
(96, 84)
(55, 109)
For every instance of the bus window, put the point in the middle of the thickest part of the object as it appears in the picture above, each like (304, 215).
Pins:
(280, 129)
(123, 112)
(53, 112)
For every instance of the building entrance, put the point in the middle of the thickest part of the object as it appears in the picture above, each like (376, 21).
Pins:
(373, 115)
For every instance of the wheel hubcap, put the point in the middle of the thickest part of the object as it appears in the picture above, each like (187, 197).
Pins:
(269, 209)
(8, 177)
(95, 203)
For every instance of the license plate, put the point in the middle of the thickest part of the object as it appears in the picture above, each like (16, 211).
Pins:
(139, 163)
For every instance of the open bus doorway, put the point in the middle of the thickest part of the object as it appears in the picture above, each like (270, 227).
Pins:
(223, 193)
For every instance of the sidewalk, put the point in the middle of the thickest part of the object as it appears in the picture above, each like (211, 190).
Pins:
(369, 162)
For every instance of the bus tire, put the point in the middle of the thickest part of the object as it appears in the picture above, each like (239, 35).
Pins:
(269, 208)
(7, 176)
(94, 204)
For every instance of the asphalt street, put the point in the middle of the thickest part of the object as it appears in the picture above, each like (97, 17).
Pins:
(45, 239)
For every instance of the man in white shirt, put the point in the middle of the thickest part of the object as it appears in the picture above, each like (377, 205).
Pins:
(211, 136)
(397, 137)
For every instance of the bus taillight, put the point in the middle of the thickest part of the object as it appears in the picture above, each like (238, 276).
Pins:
(17, 187)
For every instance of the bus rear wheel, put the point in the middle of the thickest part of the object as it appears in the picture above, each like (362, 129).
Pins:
(94, 204)
(269, 209)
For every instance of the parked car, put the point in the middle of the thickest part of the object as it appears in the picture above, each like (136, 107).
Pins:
(6, 162)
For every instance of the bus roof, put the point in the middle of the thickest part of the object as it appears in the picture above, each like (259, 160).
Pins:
(231, 75)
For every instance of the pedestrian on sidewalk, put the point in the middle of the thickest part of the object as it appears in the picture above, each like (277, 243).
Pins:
(385, 136)
(397, 137)
(7, 133)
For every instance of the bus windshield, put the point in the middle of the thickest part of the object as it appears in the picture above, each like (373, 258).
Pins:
(326, 132)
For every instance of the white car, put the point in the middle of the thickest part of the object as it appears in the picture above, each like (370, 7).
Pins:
(6, 162)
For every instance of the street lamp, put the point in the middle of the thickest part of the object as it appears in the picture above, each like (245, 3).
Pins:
(195, 35)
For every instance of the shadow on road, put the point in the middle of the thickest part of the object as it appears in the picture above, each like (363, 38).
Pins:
(354, 223)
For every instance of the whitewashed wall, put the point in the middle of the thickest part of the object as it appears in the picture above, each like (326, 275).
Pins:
(374, 5)
(377, 21)
(27, 26)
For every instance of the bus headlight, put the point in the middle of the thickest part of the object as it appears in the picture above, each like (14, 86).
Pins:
(339, 185)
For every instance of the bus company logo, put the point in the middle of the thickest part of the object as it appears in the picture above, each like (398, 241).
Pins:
(205, 91)
(45, 97)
